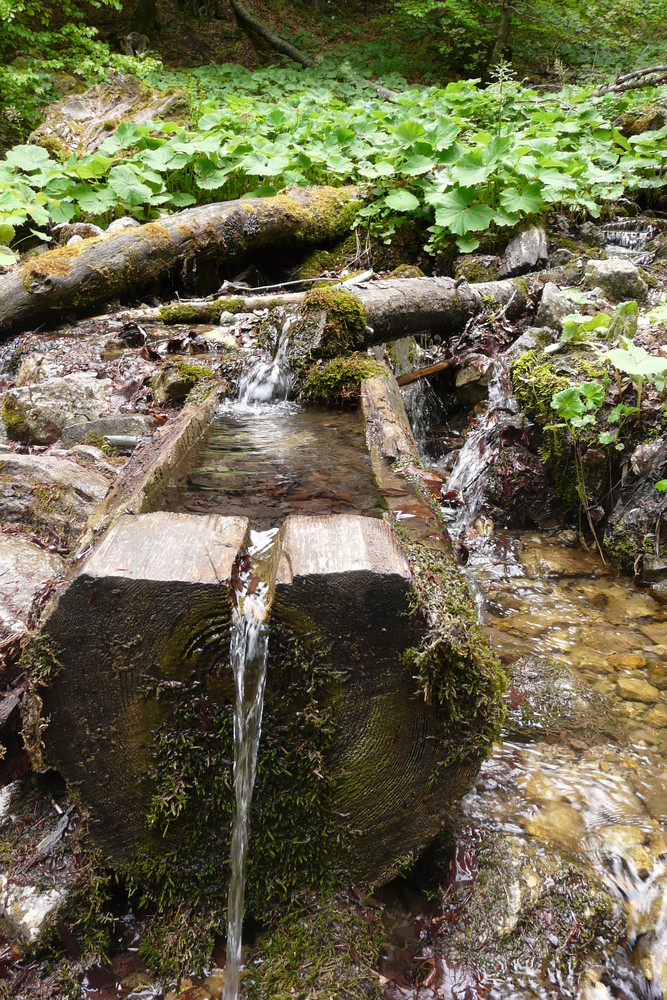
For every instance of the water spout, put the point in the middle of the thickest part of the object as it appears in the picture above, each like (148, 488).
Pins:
(248, 656)
(269, 380)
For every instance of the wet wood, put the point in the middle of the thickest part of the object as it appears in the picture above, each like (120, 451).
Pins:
(75, 278)
(419, 373)
(388, 429)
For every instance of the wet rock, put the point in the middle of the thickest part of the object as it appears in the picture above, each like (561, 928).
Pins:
(654, 569)
(518, 491)
(24, 569)
(627, 661)
(472, 380)
(657, 674)
(174, 381)
(118, 225)
(40, 869)
(647, 459)
(639, 120)
(657, 716)
(558, 823)
(64, 231)
(631, 527)
(526, 342)
(636, 689)
(95, 430)
(554, 305)
(544, 557)
(38, 413)
(51, 495)
(618, 278)
(561, 257)
(525, 253)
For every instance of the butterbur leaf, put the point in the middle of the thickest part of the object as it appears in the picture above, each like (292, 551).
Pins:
(466, 244)
(592, 394)
(456, 212)
(29, 158)
(7, 257)
(568, 404)
(527, 200)
(621, 411)
(6, 233)
(606, 437)
(401, 200)
(661, 486)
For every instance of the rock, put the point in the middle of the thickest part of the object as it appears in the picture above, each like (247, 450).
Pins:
(647, 459)
(472, 380)
(631, 527)
(657, 716)
(92, 431)
(525, 252)
(657, 674)
(559, 823)
(221, 338)
(526, 342)
(64, 231)
(174, 381)
(477, 267)
(640, 120)
(561, 257)
(118, 225)
(618, 278)
(654, 569)
(38, 413)
(636, 689)
(24, 569)
(39, 860)
(36, 368)
(51, 495)
(554, 306)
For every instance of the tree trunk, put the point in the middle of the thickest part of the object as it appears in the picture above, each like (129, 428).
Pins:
(92, 272)
(249, 23)
(503, 34)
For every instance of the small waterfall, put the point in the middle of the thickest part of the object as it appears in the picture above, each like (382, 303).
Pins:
(629, 238)
(269, 380)
(248, 656)
(465, 489)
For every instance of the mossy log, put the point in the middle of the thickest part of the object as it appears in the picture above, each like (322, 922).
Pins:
(86, 274)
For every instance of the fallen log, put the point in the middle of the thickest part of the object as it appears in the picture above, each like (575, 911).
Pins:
(66, 279)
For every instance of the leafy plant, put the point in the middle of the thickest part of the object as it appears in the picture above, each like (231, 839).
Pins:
(633, 360)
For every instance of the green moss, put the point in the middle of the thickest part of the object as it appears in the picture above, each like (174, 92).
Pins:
(324, 948)
(54, 263)
(474, 270)
(454, 666)
(204, 312)
(337, 382)
(16, 418)
(340, 319)
(406, 271)
(182, 869)
(335, 259)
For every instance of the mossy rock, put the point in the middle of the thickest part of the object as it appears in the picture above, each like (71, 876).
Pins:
(337, 382)
(176, 380)
(332, 323)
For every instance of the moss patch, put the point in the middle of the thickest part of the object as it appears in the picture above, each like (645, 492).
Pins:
(454, 665)
(204, 312)
(16, 418)
(337, 382)
(339, 318)
(325, 948)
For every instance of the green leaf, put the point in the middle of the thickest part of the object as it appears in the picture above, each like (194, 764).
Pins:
(6, 233)
(471, 169)
(416, 165)
(7, 257)
(661, 486)
(456, 212)
(635, 361)
(127, 186)
(607, 437)
(410, 130)
(29, 157)
(466, 244)
(568, 404)
(527, 200)
(576, 326)
(401, 200)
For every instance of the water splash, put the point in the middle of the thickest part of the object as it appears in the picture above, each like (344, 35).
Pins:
(270, 380)
(248, 656)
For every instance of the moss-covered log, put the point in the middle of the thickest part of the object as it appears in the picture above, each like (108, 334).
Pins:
(97, 270)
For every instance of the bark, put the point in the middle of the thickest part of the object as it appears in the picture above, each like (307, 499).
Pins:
(415, 376)
(67, 279)
(652, 76)
(503, 34)
(408, 306)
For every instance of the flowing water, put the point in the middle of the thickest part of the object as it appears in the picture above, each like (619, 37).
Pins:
(248, 656)
(579, 793)
(266, 462)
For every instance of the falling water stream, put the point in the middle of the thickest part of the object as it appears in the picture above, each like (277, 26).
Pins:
(248, 656)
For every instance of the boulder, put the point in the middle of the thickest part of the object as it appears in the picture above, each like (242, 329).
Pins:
(526, 252)
(24, 569)
(64, 231)
(49, 494)
(554, 306)
(618, 278)
(121, 424)
(38, 413)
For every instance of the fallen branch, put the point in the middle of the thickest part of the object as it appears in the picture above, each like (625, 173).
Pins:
(419, 373)
(652, 76)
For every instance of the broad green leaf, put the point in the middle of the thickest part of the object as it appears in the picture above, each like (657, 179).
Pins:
(592, 395)
(527, 200)
(457, 213)
(633, 360)
(6, 233)
(92, 167)
(471, 169)
(29, 157)
(416, 165)
(410, 130)
(568, 404)
(7, 257)
(125, 183)
(401, 200)
(467, 244)
(181, 199)
(661, 486)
